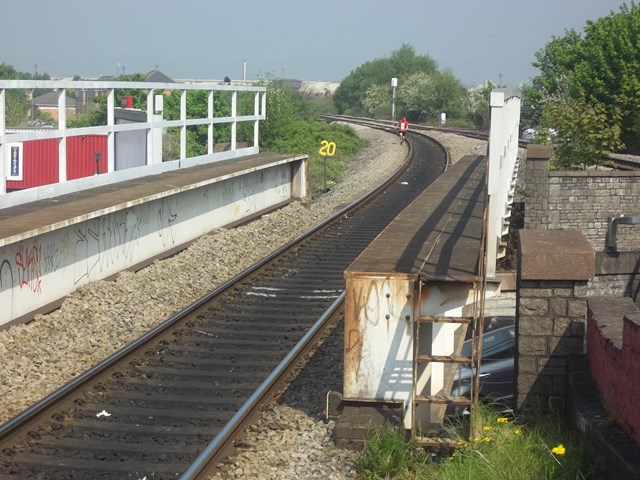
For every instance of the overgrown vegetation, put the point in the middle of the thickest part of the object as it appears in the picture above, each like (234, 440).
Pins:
(539, 448)
(588, 90)
(291, 127)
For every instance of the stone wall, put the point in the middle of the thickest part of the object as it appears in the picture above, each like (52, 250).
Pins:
(537, 187)
(584, 201)
(554, 268)
(502, 305)
(581, 200)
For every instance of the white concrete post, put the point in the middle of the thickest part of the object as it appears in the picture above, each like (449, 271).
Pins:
(234, 120)
(62, 141)
(210, 126)
(111, 136)
(3, 148)
(183, 128)
(256, 112)
(503, 153)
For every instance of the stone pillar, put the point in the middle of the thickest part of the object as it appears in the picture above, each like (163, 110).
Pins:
(554, 267)
(536, 215)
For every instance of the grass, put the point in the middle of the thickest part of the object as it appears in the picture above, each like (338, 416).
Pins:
(501, 448)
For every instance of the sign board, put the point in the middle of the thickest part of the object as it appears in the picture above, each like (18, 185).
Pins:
(15, 161)
(327, 149)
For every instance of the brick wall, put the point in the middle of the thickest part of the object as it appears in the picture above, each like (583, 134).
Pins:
(613, 342)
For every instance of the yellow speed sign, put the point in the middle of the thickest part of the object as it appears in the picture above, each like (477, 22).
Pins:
(327, 149)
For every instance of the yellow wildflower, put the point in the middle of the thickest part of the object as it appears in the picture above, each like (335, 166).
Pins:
(517, 431)
(486, 439)
(487, 429)
(502, 420)
(559, 450)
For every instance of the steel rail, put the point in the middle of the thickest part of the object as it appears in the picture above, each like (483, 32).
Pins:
(221, 442)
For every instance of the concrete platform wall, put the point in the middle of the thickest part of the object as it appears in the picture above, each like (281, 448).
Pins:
(39, 270)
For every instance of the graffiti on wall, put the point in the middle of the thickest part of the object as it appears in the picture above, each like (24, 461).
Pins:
(80, 253)
(47, 267)
(28, 267)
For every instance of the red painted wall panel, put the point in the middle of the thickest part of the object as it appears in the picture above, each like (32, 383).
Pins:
(40, 164)
(41, 160)
(616, 374)
(81, 160)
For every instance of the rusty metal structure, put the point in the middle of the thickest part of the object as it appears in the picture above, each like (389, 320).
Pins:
(410, 299)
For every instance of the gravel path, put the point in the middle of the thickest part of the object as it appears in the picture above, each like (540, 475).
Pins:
(291, 439)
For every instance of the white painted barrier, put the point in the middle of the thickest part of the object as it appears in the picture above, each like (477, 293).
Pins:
(502, 171)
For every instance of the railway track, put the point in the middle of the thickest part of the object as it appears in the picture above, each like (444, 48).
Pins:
(169, 404)
(618, 161)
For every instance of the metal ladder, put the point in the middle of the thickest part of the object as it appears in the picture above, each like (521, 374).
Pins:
(439, 437)
(434, 405)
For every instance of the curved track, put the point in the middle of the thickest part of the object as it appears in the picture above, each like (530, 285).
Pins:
(152, 409)
(619, 162)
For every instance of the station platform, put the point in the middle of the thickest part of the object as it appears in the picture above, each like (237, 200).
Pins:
(26, 220)
(51, 247)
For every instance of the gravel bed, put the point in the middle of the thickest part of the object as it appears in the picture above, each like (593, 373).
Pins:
(291, 438)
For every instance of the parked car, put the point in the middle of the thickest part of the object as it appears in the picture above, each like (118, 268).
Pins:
(496, 365)
(533, 134)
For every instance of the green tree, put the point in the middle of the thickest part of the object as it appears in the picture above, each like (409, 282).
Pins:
(16, 101)
(197, 107)
(449, 95)
(377, 101)
(588, 88)
(589, 131)
(285, 108)
(138, 97)
(477, 104)
(417, 96)
(352, 92)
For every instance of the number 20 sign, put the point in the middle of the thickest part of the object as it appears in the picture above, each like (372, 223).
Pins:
(327, 149)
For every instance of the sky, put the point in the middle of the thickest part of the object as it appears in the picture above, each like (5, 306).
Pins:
(321, 40)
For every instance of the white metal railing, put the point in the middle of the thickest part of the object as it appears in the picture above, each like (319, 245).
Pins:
(502, 170)
(153, 126)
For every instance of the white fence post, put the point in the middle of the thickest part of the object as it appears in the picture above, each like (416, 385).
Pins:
(234, 120)
(62, 140)
(502, 170)
(3, 148)
(111, 136)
